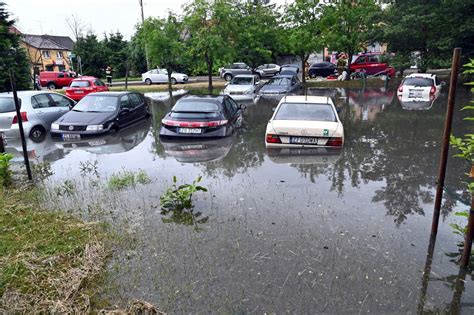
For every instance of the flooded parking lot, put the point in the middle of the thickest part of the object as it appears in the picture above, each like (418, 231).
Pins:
(285, 230)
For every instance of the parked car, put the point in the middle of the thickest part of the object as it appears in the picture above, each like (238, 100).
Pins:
(98, 113)
(161, 76)
(371, 64)
(321, 69)
(230, 71)
(290, 67)
(202, 116)
(281, 84)
(305, 121)
(243, 85)
(408, 103)
(420, 85)
(56, 80)
(267, 70)
(82, 86)
(38, 110)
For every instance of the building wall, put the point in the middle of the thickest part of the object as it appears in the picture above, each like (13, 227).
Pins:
(41, 62)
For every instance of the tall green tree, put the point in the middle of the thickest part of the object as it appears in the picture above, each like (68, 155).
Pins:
(164, 38)
(209, 26)
(116, 52)
(12, 56)
(92, 53)
(304, 29)
(349, 26)
(431, 28)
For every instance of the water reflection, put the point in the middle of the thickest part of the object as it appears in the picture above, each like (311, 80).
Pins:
(44, 151)
(304, 155)
(193, 151)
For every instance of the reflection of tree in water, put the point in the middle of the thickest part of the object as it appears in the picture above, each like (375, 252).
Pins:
(184, 217)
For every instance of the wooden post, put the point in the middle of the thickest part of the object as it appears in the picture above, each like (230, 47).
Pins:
(2, 145)
(466, 253)
(445, 145)
(20, 124)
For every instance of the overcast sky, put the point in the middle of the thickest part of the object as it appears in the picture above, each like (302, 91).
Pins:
(44, 17)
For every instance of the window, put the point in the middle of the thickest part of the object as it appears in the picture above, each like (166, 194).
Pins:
(228, 108)
(234, 105)
(153, 71)
(59, 55)
(361, 60)
(61, 100)
(40, 101)
(312, 112)
(125, 102)
(49, 68)
(98, 83)
(61, 67)
(7, 105)
(79, 84)
(195, 106)
(374, 59)
(60, 75)
(45, 54)
(136, 100)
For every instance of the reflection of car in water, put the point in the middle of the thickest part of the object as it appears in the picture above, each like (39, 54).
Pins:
(44, 151)
(122, 140)
(192, 151)
(420, 103)
(304, 156)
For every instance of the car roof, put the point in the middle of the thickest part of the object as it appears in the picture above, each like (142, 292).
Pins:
(307, 99)
(26, 93)
(421, 75)
(245, 76)
(112, 93)
(85, 78)
(206, 98)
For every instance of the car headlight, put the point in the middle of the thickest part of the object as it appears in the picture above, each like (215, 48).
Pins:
(95, 127)
(54, 126)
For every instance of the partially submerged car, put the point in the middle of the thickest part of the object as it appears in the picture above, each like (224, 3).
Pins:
(244, 85)
(305, 121)
(281, 84)
(202, 116)
(98, 113)
(321, 69)
(420, 85)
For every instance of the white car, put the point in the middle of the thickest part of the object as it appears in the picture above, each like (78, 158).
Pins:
(161, 76)
(305, 122)
(243, 85)
(420, 86)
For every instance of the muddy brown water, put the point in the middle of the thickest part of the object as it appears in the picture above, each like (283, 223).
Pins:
(297, 231)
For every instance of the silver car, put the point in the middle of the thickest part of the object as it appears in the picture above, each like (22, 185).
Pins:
(38, 110)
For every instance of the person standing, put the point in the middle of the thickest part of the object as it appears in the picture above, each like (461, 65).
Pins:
(36, 83)
(108, 75)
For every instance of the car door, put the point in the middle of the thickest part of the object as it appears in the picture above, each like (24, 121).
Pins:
(126, 111)
(62, 104)
(45, 109)
(154, 77)
(100, 86)
(140, 107)
(162, 76)
(236, 112)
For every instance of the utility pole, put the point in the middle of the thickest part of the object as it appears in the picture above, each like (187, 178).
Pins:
(146, 46)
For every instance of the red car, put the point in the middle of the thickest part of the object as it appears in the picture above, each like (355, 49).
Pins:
(56, 80)
(371, 64)
(82, 86)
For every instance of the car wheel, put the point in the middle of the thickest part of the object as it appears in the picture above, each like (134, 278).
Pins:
(173, 81)
(148, 81)
(228, 77)
(37, 134)
(51, 86)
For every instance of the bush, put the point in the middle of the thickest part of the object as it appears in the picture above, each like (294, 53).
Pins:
(5, 172)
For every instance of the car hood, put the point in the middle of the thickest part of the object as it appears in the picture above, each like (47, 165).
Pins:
(238, 88)
(84, 118)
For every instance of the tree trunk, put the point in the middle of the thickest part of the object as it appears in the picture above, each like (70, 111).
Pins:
(210, 63)
(349, 61)
(303, 70)
(170, 89)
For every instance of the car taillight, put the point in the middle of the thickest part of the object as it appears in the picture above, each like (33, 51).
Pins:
(194, 124)
(334, 142)
(273, 139)
(400, 88)
(433, 90)
(23, 118)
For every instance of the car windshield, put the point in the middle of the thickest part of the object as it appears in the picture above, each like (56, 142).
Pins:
(241, 81)
(7, 105)
(80, 84)
(418, 82)
(195, 106)
(297, 111)
(279, 82)
(97, 103)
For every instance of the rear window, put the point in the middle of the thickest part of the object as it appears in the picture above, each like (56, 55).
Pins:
(195, 106)
(297, 111)
(7, 105)
(418, 82)
(280, 81)
(195, 115)
(80, 84)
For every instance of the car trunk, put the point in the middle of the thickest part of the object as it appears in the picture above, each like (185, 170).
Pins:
(322, 130)
(194, 123)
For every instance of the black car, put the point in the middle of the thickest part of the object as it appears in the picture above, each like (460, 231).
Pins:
(321, 69)
(281, 84)
(202, 116)
(98, 113)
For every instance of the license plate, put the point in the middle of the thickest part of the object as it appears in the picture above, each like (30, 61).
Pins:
(303, 140)
(189, 130)
(79, 92)
(70, 136)
(415, 93)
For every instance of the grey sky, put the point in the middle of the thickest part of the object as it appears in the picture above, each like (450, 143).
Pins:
(43, 17)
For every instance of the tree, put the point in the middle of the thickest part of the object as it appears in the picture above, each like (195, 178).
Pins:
(92, 53)
(76, 26)
(209, 25)
(115, 49)
(348, 26)
(12, 56)
(431, 28)
(165, 43)
(304, 29)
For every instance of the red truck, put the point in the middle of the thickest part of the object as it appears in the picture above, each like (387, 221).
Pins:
(56, 80)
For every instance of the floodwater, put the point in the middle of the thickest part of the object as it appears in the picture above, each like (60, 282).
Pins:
(282, 231)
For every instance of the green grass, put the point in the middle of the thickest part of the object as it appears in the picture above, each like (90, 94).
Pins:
(126, 179)
(123, 79)
(39, 251)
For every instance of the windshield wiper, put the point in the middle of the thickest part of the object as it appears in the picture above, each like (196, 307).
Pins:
(77, 110)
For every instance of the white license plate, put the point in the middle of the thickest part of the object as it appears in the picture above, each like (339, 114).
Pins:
(79, 92)
(303, 140)
(189, 130)
(415, 93)
(71, 136)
